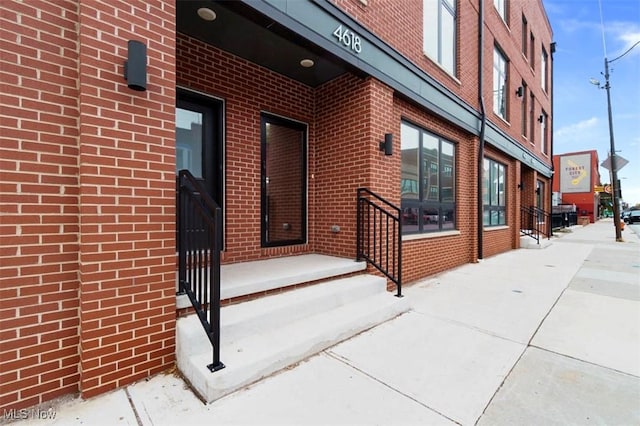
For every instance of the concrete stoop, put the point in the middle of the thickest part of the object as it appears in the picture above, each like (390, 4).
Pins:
(527, 242)
(263, 336)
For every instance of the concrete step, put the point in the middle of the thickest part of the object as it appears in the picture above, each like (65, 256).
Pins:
(255, 277)
(527, 242)
(263, 336)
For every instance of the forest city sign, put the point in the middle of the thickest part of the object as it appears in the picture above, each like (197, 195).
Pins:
(575, 173)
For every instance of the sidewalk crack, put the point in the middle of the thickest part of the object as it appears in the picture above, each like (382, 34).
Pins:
(133, 406)
(345, 361)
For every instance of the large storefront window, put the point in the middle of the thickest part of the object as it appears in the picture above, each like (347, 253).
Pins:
(493, 190)
(428, 181)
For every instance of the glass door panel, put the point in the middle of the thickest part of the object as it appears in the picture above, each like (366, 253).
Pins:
(284, 182)
(189, 140)
(199, 145)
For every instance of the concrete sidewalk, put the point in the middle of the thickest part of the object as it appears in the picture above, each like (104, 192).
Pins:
(538, 337)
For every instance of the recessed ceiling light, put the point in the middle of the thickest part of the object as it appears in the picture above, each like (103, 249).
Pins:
(307, 63)
(207, 14)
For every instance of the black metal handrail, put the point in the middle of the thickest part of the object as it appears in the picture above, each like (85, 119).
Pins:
(535, 222)
(379, 235)
(199, 246)
(564, 216)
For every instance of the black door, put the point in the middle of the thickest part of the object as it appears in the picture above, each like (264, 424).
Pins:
(199, 135)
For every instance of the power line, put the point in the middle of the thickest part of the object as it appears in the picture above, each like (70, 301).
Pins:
(628, 50)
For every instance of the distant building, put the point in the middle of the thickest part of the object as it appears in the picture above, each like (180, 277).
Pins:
(576, 177)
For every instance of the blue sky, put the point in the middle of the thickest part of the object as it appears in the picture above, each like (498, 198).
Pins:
(580, 108)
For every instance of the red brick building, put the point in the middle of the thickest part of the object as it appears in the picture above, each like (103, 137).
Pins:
(577, 175)
(279, 108)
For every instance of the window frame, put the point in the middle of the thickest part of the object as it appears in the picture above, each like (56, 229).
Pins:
(435, 32)
(525, 37)
(488, 205)
(540, 196)
(544, 58)
(543, 133)
(420, 208)
(532, 51)
(524, 110)
(532, 117)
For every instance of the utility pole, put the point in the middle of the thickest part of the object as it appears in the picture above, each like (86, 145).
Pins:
(614, 168)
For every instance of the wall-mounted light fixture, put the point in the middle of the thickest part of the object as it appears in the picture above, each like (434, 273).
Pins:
(387, 144)
(521, 186)
(135, 67)
(541, 119)
(520, 91)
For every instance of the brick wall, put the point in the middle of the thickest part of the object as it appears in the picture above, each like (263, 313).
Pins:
(509, 38)
(88, 190)
(350, 122)
(39, 320)
(127, 196)
(399, 23)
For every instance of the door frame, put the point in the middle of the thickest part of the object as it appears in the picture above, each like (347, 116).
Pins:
(266, 117)
(213, 153)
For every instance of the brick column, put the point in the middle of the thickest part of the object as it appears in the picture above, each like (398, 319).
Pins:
(127, 195)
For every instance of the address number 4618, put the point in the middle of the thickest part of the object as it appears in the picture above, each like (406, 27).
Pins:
(348, 38)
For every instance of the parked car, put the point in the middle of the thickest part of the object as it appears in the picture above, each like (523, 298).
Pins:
(634, 217)
(625, 216)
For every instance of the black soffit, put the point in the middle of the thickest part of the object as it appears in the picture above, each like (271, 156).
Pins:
(244, 32)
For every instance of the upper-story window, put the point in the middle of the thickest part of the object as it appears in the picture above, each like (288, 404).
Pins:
(428, 178)
(525, 37)
(543, 70)
(532, 45)
(439, 32)
(499, 83)
(532, 118)
(523, 109)
(543, 132)
(501, 7)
